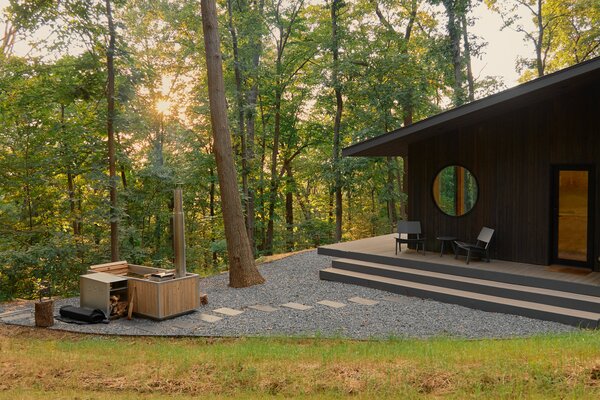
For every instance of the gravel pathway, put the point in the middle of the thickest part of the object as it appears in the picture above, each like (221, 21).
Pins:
(295, 279)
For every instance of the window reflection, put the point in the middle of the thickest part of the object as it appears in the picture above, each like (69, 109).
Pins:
(573, 215)
(455, 190)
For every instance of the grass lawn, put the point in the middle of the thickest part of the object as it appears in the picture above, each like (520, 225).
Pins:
(38, 363)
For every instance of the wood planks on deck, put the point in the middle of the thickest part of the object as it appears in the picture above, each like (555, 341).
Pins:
(530, 290)
(383, 246)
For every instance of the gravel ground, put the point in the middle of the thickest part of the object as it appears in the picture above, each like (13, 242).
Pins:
(296, 279)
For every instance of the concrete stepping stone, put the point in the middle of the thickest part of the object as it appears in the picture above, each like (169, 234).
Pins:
(14, 312)
(17, 316)
(363, 301)
(209, 318)
(330, 303)
(296, 306)
(261, 307)
(228, 311)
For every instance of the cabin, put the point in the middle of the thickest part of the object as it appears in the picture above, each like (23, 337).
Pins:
(524, 162)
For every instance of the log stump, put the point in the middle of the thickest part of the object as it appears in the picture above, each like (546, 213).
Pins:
(44, 313)
(203, 299)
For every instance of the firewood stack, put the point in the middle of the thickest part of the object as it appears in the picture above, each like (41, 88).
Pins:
(118, 308)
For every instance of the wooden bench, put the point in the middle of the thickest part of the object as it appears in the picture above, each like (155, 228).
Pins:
(122, 268)
(115, 268)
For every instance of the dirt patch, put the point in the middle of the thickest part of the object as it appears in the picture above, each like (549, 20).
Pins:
(433, 382)
(276, 257)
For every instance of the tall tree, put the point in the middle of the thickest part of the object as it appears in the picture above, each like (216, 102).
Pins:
(110, 118)
(246, 20)
(407, 99)
(285, 23)
(339, 101)
(578, 36)
(8, 40)
(546, 19)
(242, 271)
(455, 9)
(467, 48)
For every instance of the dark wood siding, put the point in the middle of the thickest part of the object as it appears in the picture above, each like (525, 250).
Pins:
(511, 157)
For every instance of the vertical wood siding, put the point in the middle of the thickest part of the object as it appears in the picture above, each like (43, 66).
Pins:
(511, 157)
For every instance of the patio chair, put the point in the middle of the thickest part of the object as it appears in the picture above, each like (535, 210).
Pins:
(482, 246)
(412, 229)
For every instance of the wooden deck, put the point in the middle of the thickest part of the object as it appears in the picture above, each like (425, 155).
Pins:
(378, 247)
(567, 295)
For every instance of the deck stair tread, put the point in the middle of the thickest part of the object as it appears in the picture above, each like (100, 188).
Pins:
(513, 303)
(380, 249)
(476, 281)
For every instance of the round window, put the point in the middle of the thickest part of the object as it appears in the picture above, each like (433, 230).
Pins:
(455, 190)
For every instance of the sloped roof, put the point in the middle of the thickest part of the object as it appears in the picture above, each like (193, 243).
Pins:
(396, 142)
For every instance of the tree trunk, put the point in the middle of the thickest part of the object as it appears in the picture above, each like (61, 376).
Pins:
(289, 207)
(335, 6)
(71, 189)
(256, 46)
(404, 189)
(28, 199)
(373, 212)
(123, 177)
(273, 187)
(540, 64)
(211, 199)
(241, 126)
(408, 118)
(349, 200)
(261, 186)
(242, 271)
(110, 94)
(470, 80)
(392, 213)
(454, 34)
(250, 201)
(70, 182)
(8, 40)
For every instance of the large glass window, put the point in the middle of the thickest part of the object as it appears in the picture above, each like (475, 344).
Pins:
(573, 215)
(455, 190)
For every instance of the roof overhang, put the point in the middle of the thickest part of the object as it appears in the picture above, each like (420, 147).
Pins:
(395, 143)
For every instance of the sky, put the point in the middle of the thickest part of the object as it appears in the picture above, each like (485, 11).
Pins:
(504, 46)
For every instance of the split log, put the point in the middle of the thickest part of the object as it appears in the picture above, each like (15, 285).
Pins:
(130, 306)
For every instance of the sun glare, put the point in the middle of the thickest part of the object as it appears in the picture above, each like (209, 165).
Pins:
(163, 106)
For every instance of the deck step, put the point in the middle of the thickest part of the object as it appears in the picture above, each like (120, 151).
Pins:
(530, 293)
(448, 265)
(466, 298)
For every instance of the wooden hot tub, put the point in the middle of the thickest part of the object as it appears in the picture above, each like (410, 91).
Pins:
(156, 300)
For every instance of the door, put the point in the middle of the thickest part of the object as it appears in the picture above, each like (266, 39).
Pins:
(572, 215)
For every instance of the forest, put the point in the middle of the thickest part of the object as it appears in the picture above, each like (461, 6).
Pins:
(109, 113)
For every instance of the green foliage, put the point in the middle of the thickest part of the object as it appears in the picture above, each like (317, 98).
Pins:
(57, 260)
(562, 33)
(54, 207)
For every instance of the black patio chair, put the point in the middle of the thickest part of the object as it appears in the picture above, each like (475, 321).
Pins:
(412, 229)
(482, 246)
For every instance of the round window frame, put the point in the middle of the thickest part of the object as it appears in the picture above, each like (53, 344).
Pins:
(433, 197)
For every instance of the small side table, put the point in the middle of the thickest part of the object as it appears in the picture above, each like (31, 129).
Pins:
(445, 239)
